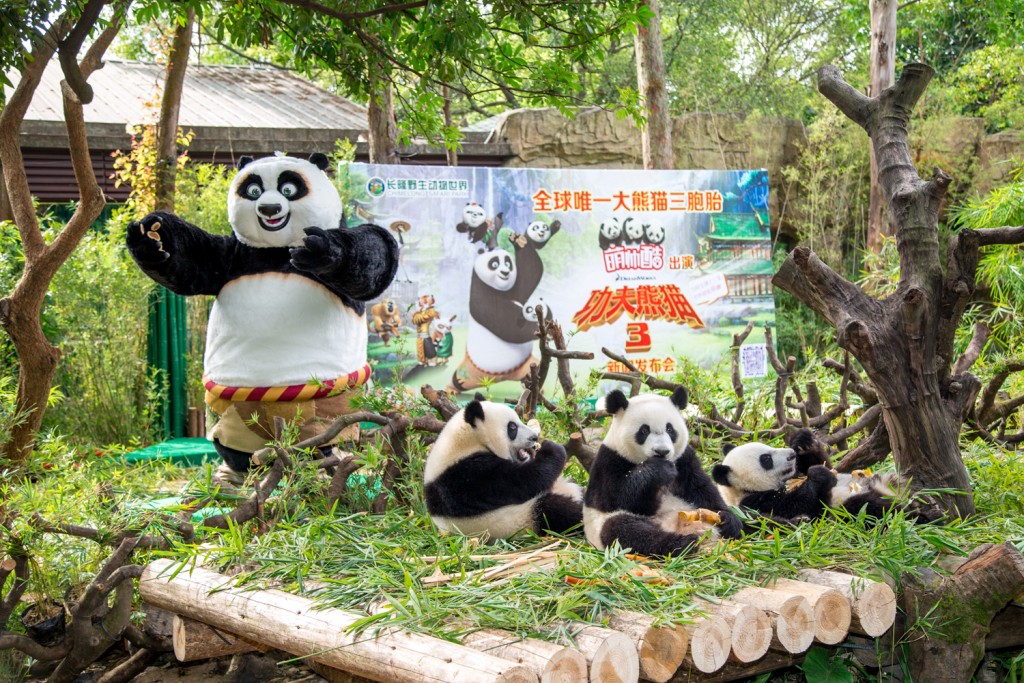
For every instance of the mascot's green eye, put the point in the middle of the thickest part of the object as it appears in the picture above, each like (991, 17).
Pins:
(289, 190)
(253, 191)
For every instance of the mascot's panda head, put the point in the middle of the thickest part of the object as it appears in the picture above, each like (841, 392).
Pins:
(753, 467)
(611, 229)
(473, 215)
(633, 229)
(481, 426)
(647, 426)
(496, 268)
(539, 232)
(654, 232)
(273, 199)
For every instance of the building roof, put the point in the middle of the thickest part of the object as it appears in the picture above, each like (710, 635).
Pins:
(213, 96)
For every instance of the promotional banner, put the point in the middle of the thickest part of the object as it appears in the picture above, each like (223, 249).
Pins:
(658, 266)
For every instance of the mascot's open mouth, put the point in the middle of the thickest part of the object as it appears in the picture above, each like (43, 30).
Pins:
(504, 275)
(274, 224)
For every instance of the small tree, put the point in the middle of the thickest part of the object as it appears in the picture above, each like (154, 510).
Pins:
(905, 341)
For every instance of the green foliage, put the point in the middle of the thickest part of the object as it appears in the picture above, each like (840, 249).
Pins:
(822, 666)
(25, 22)
(990, 84)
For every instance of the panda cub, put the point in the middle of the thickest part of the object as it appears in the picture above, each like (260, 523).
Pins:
(610, 234)
(765, 479)
(644, 475)
(485, 476)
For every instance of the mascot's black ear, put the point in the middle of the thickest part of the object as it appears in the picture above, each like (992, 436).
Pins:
(615, 401)
(343, 224)
(726, 447)
(474, 412)
(320, 160)
(720, 473)
(679, 398)
(243, 162)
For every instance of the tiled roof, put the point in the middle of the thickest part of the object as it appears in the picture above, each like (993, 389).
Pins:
(214, 96)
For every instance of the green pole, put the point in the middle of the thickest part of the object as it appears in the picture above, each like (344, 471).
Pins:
(166, 352)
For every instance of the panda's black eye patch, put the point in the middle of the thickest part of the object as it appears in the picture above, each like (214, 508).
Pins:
(766, 461)
(513, 430)
(494, 263)
(508, 262)
(671, 431)
(642, 434)
(292, 185)
(251, 187)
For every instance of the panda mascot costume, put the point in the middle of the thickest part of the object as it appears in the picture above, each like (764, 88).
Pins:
(487, 475)
(645, 475)
(797, 483)
(287, 333)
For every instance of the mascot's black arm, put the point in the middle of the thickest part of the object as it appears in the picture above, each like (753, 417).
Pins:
(500, 313)
(183, 258)
(694, 485)
(483, 482)
(618, 484)
(358, 262)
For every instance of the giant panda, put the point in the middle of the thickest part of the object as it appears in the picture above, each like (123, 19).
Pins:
(474, 222)
(644, 475)
(632, 231)
(287, 331)
(499, 337)
(610, 233)
(488, 476)
(654, 232)
(797, 483)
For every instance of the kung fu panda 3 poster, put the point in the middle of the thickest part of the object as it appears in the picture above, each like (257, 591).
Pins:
(656, 266)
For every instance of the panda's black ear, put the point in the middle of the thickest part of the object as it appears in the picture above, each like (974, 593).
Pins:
(615, 401)
(720, 473)
(474, 412)
(679, 398)
(243, 162)
(479, 397)
(320, 160)
(726, 447)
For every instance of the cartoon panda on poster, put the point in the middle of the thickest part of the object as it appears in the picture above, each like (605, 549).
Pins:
(287, 332)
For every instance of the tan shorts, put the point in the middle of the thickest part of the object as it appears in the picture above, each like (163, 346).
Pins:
(249, 425)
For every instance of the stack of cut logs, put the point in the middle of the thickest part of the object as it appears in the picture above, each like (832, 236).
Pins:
(730, 641)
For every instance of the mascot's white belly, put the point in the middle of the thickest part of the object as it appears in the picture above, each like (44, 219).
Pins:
(279, 329)
(492, 353)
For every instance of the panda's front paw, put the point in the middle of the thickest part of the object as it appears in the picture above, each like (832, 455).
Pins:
(821, 477)
(662, 468)
(550, 449)
(731, 526)
(318, 254)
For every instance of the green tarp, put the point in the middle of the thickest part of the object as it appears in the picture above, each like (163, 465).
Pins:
(184, 452)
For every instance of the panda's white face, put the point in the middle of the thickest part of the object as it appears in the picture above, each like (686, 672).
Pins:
(647, 426)
(634, 229)
(538, 231)
(481, 426)
(754, 467)
(273, 199)
(654, 233)
(473, 215)
(611, 229)
(497, 269)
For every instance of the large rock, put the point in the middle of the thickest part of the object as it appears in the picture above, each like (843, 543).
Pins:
(998, 155)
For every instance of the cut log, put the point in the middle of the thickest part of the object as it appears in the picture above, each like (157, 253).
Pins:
(193, 640)
(610, 654)
(661, 648)
(298, 626)
(553, 663)
(1006, 629)
(751, 630)
(790, 614)
(736, 672)
(832, 609)
(873, 602)
(710, 642)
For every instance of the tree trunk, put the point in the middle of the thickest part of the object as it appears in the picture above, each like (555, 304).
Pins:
(20, 311)
(383, 131)
(170, 106)
(883, 72)
(905, 341)
(450, 151)
(656, 136)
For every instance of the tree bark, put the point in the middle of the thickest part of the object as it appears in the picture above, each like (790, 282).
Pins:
(656, 136)
(382, 129)
(451, 152)
(170, 106)
(904, 342)
(883, 72)
(20, 311)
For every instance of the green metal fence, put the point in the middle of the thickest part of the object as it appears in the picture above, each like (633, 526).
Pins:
(167, 348)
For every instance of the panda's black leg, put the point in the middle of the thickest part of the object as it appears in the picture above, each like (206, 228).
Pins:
(645, 537)
(237, 460)
(557, 513)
